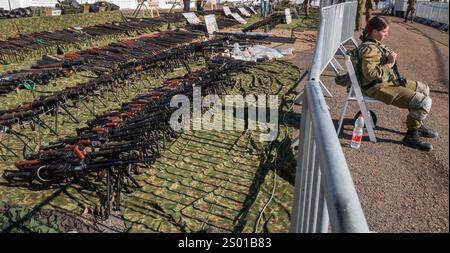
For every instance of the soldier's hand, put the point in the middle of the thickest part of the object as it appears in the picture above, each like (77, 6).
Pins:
(392, 57)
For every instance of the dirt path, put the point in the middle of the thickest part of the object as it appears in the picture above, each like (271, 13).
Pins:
(402, 189)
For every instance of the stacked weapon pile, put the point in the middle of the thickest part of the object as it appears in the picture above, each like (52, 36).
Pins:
(108, 59)
(16, 13)
(72, 6)
(267, 23)
(66, 7)
(156, 64)
(115, 142)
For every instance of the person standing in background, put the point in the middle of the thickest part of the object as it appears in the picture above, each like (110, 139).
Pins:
(307, 7)
(199, 5)
(266, 6)
(369, 9)
(359, 14)
(376, 4)
(186, 4)
(410, 10)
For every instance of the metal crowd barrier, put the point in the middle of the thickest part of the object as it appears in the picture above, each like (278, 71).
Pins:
(386, 7)
(348, 26)
(433, 11)
(325, 3)
(325, 198)
(332, 18)
(383, 4)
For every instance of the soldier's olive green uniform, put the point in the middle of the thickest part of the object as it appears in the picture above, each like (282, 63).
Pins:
(410, 10)
(369, 9)
(359, 14)
(379, 82)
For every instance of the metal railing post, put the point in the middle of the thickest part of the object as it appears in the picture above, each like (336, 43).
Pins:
(324, 195)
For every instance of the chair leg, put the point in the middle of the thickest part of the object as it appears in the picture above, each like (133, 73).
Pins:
(368, 121)
(341, 119)
(336, 65)
(324, 89)
(334, 68)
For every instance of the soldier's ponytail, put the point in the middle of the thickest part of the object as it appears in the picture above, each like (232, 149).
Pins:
(376, 23)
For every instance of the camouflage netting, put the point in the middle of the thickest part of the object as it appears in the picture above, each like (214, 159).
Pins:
(220, 181)
(13, 27)
(204, 180)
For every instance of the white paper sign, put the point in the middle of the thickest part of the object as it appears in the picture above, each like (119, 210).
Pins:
(244, 12)
(287, 12)
(238, 18)
(192, 18)
(253, 10)
(211, 24)
(56, 12)
(226, 10)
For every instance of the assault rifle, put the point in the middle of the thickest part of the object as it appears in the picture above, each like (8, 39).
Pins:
(401, 80)
(268, 23)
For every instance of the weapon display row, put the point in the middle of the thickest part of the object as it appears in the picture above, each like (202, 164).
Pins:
(156, 64)
(118, 140)
(18, 49)
(99, 60)
(22, 47)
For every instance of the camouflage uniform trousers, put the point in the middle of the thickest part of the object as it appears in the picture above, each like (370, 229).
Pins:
(359, 14)
(414, 96)
(307, 7)
(369, 9)
(410, 10)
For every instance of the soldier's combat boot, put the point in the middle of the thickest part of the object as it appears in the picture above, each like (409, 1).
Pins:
(427, 132)
(412, 139)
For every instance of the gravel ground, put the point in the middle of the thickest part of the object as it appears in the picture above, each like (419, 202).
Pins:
(401, 189)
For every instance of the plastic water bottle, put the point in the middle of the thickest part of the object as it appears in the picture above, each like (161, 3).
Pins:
(358, 132)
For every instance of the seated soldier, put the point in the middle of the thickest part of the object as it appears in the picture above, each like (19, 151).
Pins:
(379, 81)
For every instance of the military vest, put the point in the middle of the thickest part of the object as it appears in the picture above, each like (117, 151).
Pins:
(412, 3)
(356, 58)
